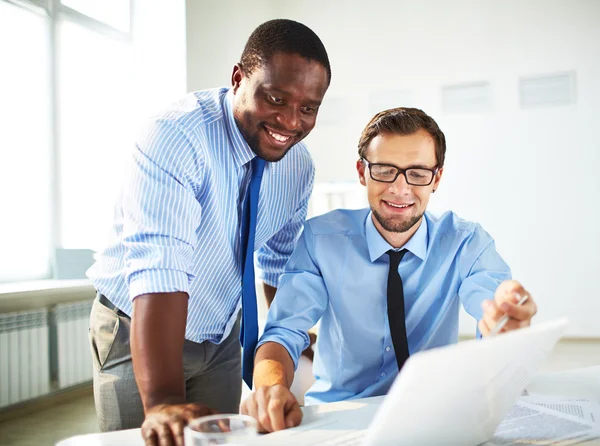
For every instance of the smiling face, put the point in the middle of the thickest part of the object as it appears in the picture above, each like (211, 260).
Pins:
(398, 207)
(276, 105)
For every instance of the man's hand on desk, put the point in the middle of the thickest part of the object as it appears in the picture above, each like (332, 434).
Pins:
(505, 301)
(274, 407)
(164, 423)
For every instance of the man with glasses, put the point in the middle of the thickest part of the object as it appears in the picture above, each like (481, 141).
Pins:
(384, 282)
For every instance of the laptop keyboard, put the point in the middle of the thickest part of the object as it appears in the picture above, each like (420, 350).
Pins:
(349, 439)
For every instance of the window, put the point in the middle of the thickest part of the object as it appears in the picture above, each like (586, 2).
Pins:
(96, 130)
(25, 144)
(114, 13)
(74, 73)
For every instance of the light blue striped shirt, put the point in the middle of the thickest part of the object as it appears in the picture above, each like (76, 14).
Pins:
(177, 220)
(338, 274)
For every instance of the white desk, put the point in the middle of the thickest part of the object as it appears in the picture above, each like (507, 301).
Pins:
(577, 383)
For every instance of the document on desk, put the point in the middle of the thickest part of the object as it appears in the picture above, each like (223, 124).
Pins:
(543, 420)
(578, 407)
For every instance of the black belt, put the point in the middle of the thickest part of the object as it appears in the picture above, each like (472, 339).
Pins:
(108, 304)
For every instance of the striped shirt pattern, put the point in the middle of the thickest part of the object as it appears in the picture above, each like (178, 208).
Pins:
(178, 217)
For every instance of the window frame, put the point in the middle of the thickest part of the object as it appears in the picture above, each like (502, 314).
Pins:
(55, 12)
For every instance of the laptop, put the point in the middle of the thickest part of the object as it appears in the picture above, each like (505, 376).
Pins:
(455, 395)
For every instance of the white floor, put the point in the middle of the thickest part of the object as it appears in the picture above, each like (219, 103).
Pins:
(46, 427)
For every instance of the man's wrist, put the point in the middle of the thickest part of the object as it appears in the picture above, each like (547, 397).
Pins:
(269, 373)
(162, 399)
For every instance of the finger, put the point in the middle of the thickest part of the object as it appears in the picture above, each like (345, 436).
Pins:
(224, 426)
(261, 410)
(514, 324)
(491, 308)
(165, 435)
(276, 411)
(248, 406)
(252, 408)
(491, 319)
(294, 417)
(519, 312)
(483, 328)
(177, 429)
(507, 289)
(244, 406)
(149, 436)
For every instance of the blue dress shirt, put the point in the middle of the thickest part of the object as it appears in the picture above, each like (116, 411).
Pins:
(177, 221)
(338, 275)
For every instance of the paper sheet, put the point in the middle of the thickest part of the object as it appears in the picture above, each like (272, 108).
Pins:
(543, 420)
(578, 407)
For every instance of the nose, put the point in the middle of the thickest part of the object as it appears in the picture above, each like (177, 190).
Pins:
(289, 118)
(400, 186)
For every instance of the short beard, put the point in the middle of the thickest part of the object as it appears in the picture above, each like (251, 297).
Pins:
(392, 226)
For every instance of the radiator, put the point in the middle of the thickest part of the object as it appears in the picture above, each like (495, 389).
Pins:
(74, 359)
(24, 356)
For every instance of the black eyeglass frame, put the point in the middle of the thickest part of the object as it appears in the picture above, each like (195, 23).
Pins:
(434, 171)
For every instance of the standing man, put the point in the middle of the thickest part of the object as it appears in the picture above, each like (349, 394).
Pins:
(385, 282)
(221, 175)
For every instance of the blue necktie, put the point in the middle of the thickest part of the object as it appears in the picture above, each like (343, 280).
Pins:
(249, 327)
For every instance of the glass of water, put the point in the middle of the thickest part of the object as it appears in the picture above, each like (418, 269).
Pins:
(221, 429)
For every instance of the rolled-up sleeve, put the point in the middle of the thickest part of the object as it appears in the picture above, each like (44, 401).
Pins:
(161, 212)
(300, 301)
(482, 270)
(273, 256)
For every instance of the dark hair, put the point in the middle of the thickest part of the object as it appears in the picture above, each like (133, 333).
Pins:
(286, 36)
(403, 121)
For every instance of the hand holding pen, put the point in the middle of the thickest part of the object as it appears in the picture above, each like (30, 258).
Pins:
(512, 308)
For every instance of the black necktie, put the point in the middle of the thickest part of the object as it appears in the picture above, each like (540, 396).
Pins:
(395, 303)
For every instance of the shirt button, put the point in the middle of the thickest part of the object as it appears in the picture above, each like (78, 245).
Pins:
(387, 349)
(383, 373)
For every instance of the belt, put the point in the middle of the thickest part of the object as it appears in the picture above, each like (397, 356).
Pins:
(108, 304)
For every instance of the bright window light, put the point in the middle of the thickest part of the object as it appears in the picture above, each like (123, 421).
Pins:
(115, 13)
(25, 230)
(96, 130)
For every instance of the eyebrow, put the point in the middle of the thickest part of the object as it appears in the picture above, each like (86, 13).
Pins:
(412, 166)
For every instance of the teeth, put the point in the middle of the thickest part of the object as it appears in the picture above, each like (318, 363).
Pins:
(397, 205)
(278, 137)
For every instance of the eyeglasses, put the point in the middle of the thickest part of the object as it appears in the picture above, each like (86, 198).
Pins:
(388, 173)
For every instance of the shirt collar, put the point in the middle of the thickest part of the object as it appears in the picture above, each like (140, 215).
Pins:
(378, 246)
(242, 153)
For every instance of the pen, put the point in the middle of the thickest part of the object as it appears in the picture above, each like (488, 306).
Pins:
(504, 319)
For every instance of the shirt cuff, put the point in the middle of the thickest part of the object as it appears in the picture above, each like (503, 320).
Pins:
(157, 281)
(271, 279)
(279, 336)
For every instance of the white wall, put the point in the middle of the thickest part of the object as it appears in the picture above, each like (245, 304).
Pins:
(216, 33)
(160, 53)
(506, 166)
